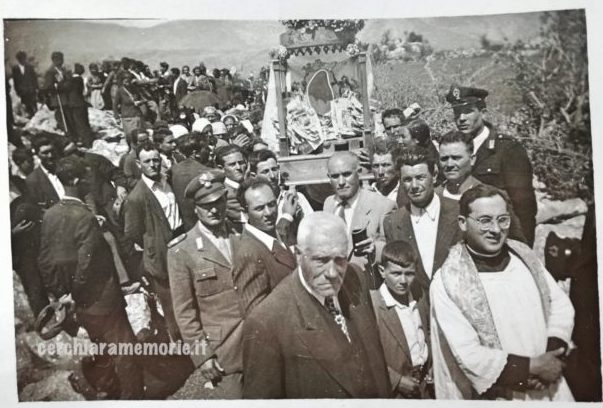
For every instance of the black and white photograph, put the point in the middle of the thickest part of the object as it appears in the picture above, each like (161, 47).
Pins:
(301, 206)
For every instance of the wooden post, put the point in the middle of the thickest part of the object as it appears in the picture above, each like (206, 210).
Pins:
(368, 117)
(279, 76)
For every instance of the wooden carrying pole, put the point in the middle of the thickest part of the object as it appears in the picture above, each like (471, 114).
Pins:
(368, 128)
(279, 79)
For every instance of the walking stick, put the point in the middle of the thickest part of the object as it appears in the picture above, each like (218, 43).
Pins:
(56, 86)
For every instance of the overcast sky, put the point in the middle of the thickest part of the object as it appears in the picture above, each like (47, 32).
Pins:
(131, 23)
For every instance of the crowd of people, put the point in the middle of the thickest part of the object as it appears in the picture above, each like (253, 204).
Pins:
(422, 284)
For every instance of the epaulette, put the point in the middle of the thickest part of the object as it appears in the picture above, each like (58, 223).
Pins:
(176, 240)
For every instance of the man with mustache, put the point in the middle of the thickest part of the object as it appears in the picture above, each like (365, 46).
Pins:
(428, 222)
(501, 325)
(500, 160)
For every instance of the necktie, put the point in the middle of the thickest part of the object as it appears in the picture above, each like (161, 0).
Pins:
(340, 210)
(337, 316)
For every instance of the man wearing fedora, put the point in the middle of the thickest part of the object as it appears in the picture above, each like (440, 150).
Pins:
(500, 160)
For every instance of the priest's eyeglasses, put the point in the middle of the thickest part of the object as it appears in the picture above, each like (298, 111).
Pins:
(487, 223)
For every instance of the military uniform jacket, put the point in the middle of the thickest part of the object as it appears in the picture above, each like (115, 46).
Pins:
(503, 162)
(206, 301)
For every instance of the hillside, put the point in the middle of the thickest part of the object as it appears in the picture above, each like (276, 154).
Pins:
(226, 43)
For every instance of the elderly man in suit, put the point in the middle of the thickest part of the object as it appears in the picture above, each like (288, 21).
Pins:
(259, 248)
(359, 208)
(151, 220)
(206, 301)
(76, 264)
(25, 80)
(428, 223)
(315, 335)
(500, 160)
(403, 318)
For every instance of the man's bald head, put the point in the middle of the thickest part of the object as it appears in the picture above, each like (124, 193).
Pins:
(347, 157)
(322, 249)
(343, 171)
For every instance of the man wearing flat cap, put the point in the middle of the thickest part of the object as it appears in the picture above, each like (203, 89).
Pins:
(500, 160)
(207, 304)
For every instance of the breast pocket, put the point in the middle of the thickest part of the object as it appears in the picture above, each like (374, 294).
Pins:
(489, 171)
(207, 282)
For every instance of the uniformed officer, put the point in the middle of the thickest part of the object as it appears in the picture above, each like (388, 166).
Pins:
(206, 301)
(500, 160)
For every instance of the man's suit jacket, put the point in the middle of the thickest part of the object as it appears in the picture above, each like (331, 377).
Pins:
(398, 227)
(206, 303)
(252, 257)
(146, 225)
(369, 212)
(75, 258)
(393, 338)
(26, 83)
(292, 347)
(39, 189)
(180, 174)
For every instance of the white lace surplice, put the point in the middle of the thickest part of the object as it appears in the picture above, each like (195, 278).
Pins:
(517, 312)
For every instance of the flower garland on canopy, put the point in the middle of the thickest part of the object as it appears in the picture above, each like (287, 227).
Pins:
(336, 25)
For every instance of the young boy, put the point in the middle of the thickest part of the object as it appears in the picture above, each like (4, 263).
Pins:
(402, 312)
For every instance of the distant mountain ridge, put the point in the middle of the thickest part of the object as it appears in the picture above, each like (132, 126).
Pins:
(227, 43)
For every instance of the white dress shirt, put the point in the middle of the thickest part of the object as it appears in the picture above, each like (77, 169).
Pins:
(425, 226)
(480, 139)
(411, 325)
(56, 183)
(268, 240)
(164, 194)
